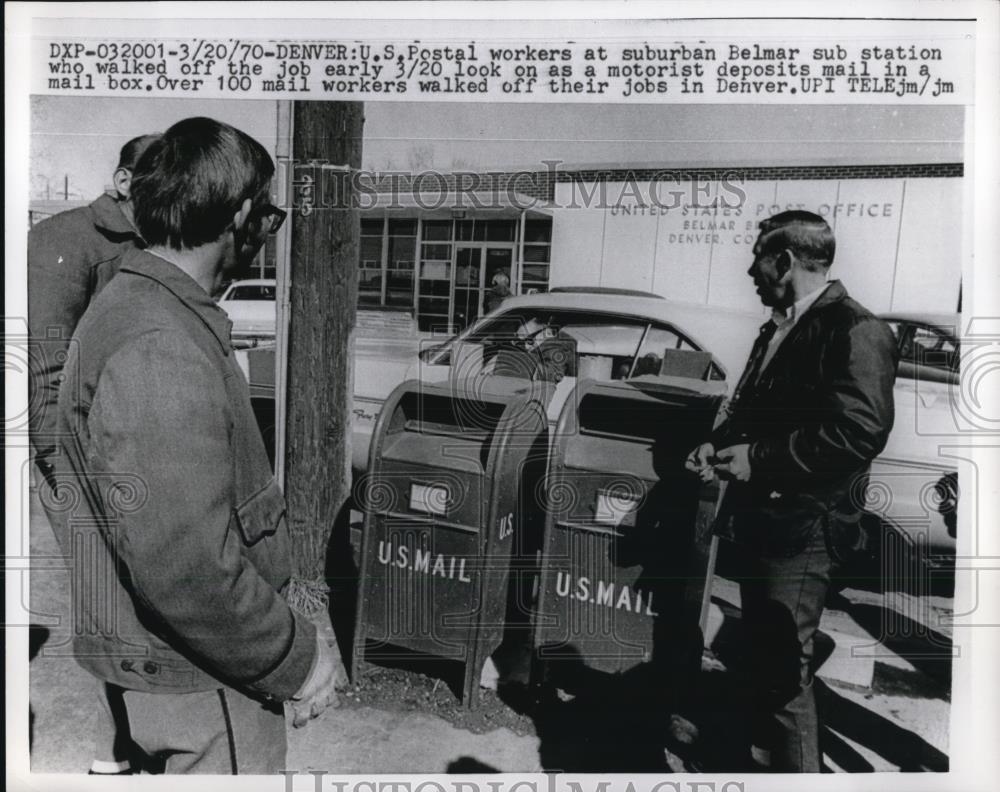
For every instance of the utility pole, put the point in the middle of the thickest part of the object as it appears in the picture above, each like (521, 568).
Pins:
(326, 150)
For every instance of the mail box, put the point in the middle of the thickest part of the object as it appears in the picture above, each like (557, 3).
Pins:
(453, 473)
(628, 530)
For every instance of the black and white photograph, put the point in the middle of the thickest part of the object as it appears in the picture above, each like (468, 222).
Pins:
(418, 401)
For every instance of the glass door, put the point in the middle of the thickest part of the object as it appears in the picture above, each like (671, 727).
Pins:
(475, 268)
(468, 286)
(499, 261)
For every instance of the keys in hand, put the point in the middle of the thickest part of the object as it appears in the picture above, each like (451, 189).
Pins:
(728, 463)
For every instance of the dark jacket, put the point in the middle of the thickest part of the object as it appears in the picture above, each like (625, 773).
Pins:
(71, 257)
(178, 524)
(817, 416)
(495, 297)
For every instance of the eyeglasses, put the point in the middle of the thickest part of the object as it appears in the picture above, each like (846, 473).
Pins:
(273, 213)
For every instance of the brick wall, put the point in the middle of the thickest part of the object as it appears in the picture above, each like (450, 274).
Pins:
(541, 184)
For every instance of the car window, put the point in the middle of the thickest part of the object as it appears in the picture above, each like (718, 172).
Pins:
(660, 338)
(657, 340)
(251, 292)
(928, 346)
(603, 346)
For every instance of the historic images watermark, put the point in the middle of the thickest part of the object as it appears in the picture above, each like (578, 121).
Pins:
(325, 781)
(323, 185)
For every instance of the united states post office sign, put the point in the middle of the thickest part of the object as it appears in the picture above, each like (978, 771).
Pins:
(898, 240)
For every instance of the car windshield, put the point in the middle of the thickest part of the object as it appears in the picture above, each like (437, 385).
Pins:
(254, 291)
(587, 344)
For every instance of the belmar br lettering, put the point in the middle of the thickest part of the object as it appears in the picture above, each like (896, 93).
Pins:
(604, 594)
(448, 567)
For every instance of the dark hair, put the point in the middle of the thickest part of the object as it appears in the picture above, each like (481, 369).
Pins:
(190, 182)
(806, 234)
(134, 149)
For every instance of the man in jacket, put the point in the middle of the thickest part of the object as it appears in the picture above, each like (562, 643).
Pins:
(812, 409)
(177, 515)
(71, 257)
(499, 292)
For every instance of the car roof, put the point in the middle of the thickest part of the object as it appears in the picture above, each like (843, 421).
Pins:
(727, 333)
(255, 282)
(946, 321)
(603, 290)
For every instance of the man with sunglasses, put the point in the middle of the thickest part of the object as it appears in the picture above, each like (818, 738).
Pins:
(177, 501)
(264, 219)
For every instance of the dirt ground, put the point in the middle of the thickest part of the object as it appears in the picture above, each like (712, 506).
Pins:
(885, 704)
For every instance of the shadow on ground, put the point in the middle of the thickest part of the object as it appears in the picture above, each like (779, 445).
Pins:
(591, 721)
(469, 765)
(37, 636)
(724, 694)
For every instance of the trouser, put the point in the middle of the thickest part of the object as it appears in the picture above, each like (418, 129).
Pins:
(114, 751)
(782, 601)
(218, 731)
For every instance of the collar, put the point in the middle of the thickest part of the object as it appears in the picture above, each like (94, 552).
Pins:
(108, 216)
(184, 288)
(780, 317)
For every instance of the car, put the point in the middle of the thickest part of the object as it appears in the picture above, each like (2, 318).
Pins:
(614, 335)
(596, 334)
(574, 333)
(913, 490)
(251, 305)
(912, 496)
(929, 349)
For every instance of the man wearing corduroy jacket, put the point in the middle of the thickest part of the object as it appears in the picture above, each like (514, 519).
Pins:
(813, 408)
(177, 524)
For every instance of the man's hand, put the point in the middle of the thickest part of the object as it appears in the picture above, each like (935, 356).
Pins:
(700, 461)
(317, 692)
(733, 462)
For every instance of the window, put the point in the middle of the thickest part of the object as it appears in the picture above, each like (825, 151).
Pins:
(928, 346)
(500, 230)
(403, 227)
(434, 286)
(401, 263)
(480, 230)
(370, 275)
(437, 230)
(538, 231)
(537, 255)
(600, 346)
(658, 340)
(372, 227)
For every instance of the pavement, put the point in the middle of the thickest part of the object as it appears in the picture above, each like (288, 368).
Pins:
(885, 703)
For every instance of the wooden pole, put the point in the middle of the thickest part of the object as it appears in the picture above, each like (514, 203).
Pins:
(326, 146)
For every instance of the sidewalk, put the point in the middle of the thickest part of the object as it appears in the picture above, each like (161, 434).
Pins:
(883, 711)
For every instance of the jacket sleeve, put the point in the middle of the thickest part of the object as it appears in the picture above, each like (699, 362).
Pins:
(854, 408)
(160, 412)
(58, 293)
